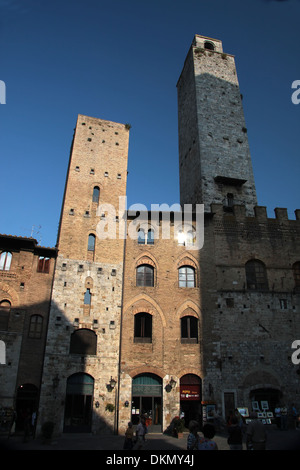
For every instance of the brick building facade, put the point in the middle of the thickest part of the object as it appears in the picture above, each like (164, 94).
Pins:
(26, 276)
(151, 324)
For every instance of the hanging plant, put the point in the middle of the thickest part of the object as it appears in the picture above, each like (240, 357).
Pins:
(110, 407)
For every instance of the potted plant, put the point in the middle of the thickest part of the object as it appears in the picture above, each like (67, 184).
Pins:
(110, 407)
(178, 427)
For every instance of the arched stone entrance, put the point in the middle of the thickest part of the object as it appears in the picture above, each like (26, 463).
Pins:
(78, 404)
(26, 404)
(262, 386)
(190, 398)
(147, 400)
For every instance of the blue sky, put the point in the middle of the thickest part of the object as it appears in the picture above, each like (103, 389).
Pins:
(120, 61)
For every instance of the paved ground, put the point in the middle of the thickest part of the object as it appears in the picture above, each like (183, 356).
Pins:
(277, 440)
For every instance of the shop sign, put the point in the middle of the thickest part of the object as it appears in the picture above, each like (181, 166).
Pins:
(189, 392)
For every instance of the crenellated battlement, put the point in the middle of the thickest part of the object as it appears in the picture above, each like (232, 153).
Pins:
(238, 212)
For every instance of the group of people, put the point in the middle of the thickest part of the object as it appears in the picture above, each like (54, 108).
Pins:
(281, 415)
(205, 442)
(135, 441)
(255, 434)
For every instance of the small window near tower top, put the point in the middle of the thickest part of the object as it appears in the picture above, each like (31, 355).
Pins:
(209, 45)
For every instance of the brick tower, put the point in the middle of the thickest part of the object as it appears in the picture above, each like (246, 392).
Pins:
(82, 353)
(214, 156)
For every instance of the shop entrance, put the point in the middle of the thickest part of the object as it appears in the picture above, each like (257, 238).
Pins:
(26, 404)
(78, 407)
(190, 398)
(147, 401)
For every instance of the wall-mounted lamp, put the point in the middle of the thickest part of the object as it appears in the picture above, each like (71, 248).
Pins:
(126, 403)
(111, 385)
(170, 385)
(97, 404)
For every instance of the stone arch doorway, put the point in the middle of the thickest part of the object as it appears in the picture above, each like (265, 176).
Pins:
(190, 398)
(147, 401)
(78, 403)
(271, 395)
(26, 403)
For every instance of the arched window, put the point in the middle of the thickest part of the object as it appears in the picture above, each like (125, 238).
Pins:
(296, 272)
(96, 194)
(187, 238)
(256, 275)
(189, 329)
(142, 240)
(35, 327)
(141, 237)
(145, 275)
(187, 276)
(5, 261)
(143, 328)
(91, 242)
(84, 342)
(209, 45)
(5, 306)
(150, 237)
(87, 297)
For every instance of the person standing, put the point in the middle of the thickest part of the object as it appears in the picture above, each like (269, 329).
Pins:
(235, 439)
(284, 417)
(256, 435)
(295, 416)
(278, 416)
(193, 438)
(128, 443)
(141, 431)
(206, 442)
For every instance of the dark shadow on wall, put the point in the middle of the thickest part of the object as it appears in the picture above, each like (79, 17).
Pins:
(61, 380)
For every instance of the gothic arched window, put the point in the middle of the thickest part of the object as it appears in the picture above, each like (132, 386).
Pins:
(145, 275)
(143, 328)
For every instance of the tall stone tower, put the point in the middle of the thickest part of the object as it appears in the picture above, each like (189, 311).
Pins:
(82, 353)
(214, 156)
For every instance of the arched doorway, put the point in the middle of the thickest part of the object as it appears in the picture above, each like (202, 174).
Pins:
(270, 395)
(78, 406)
(26, 404)
(147, 401)
(190, 398)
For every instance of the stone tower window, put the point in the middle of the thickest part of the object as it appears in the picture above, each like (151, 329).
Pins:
(296, 272)
(256, 275)
(87, 297)
(96, 194)
(209, 45)
(91, 242)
